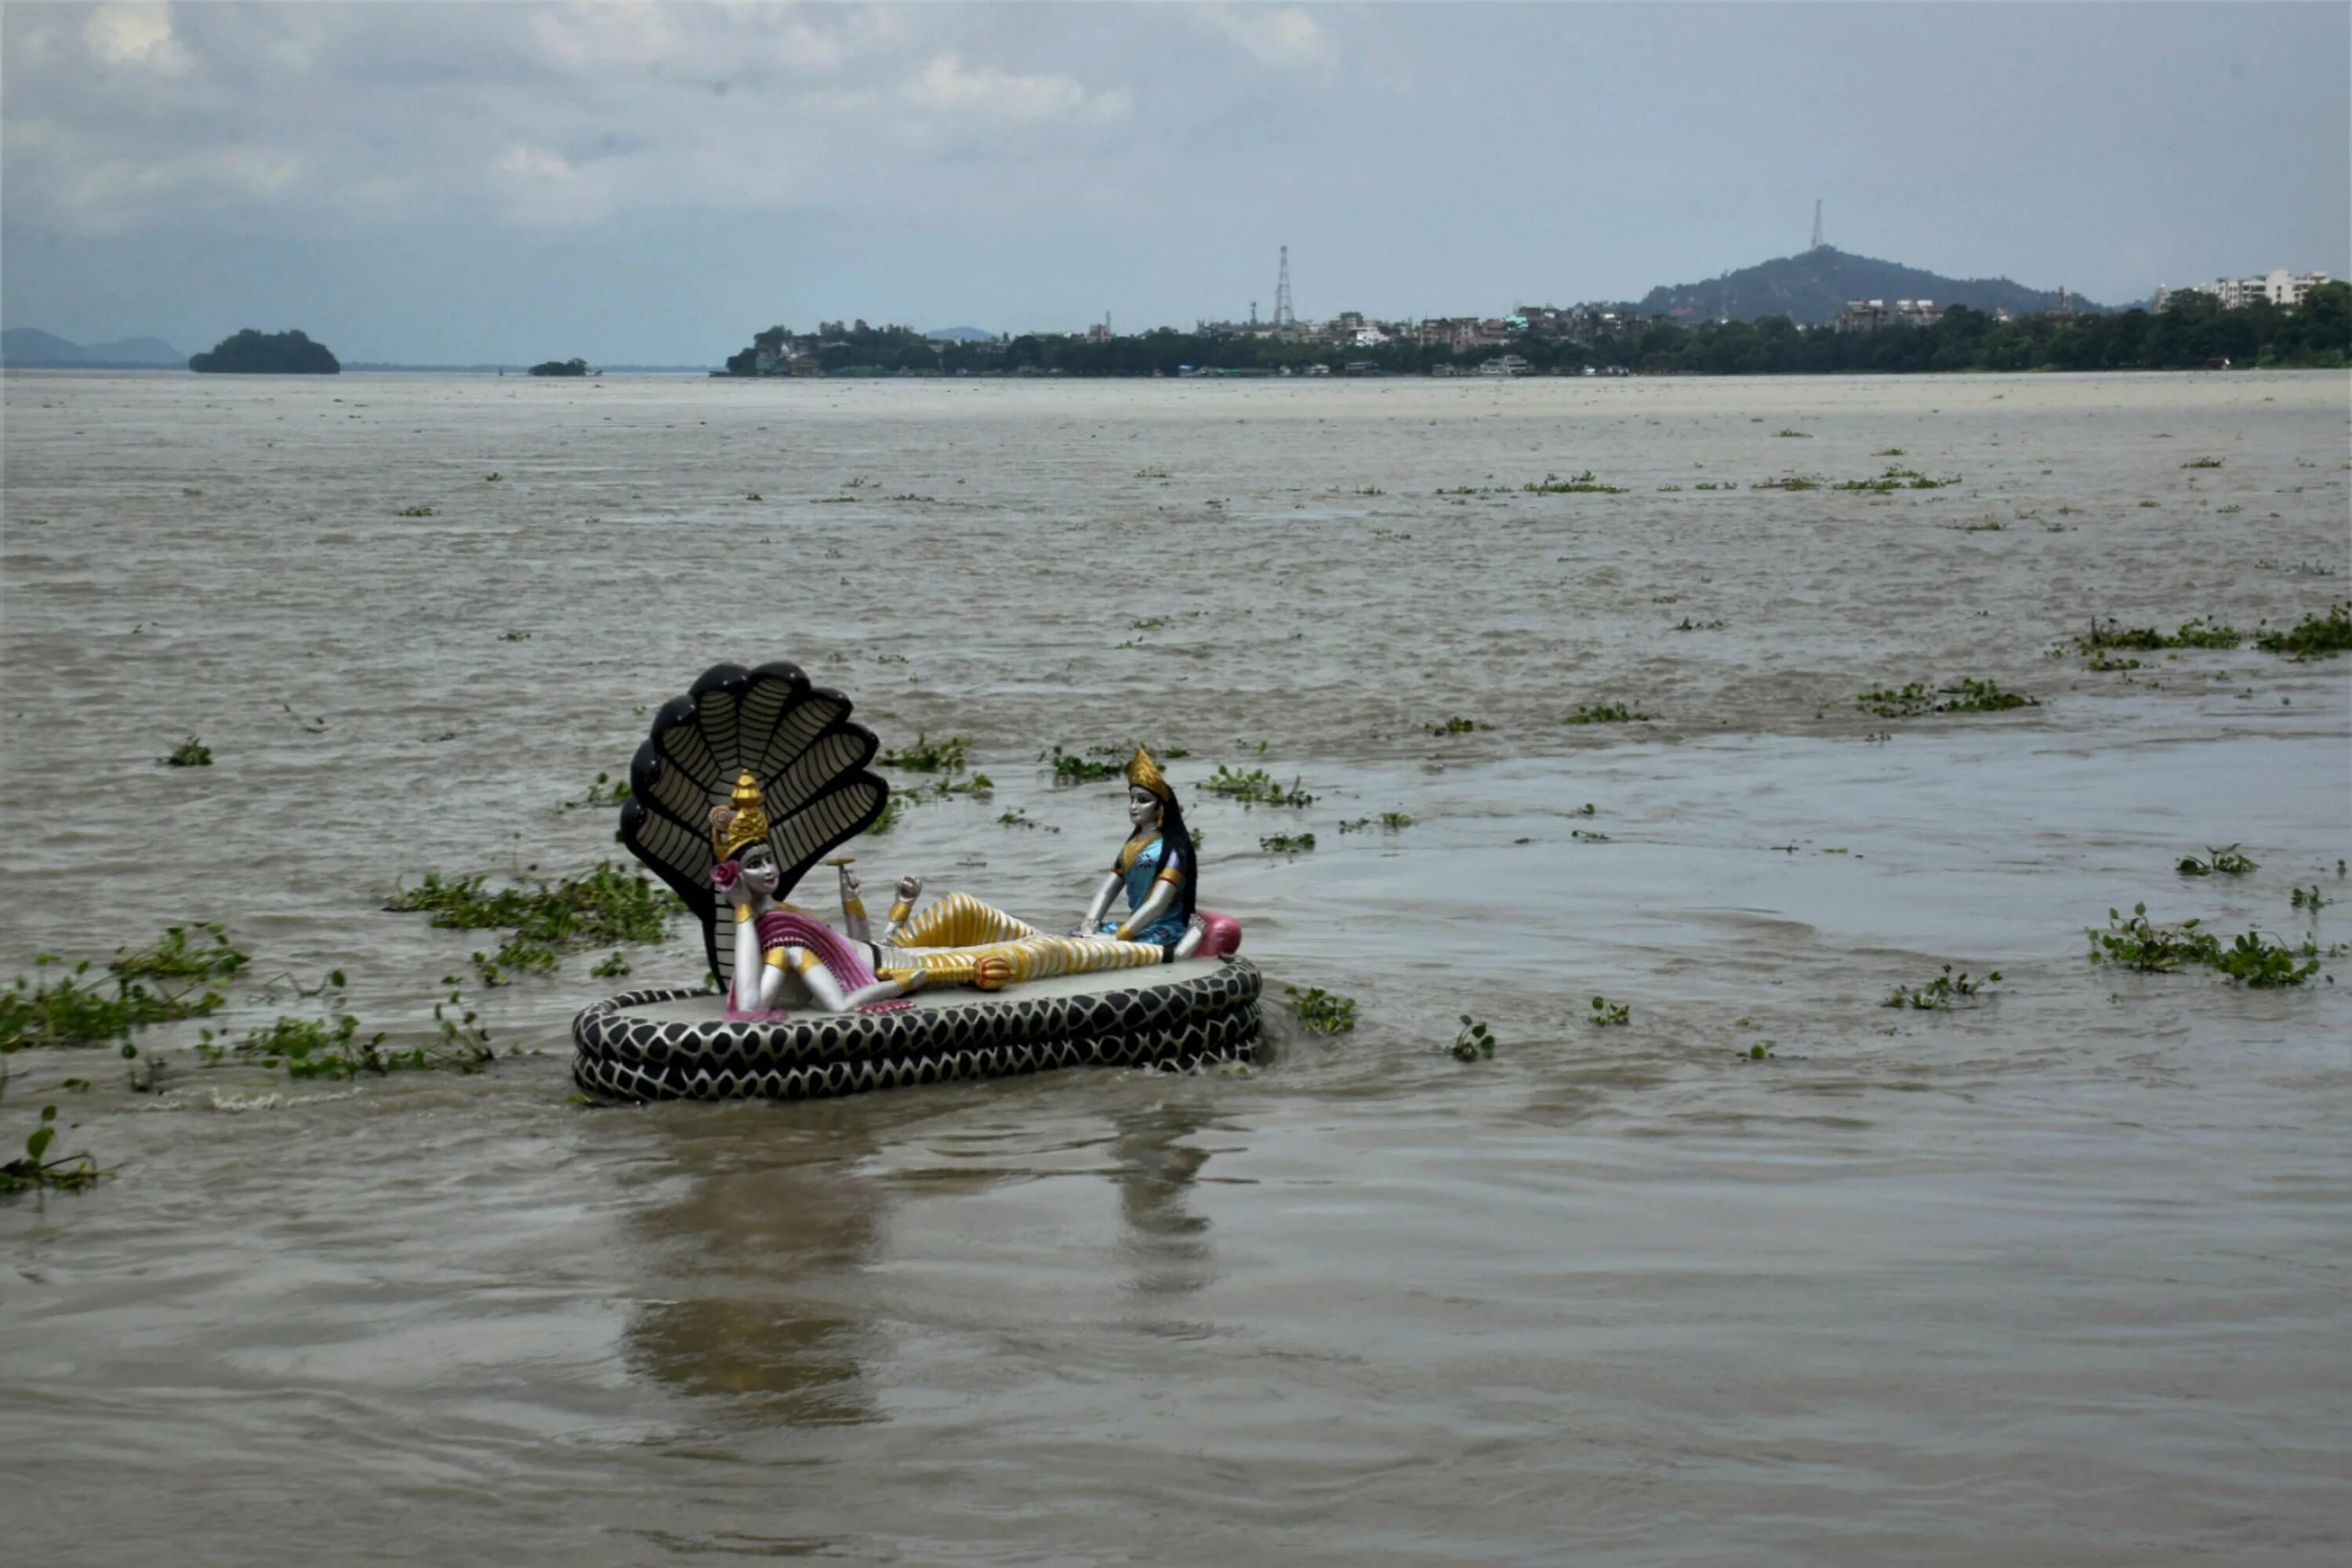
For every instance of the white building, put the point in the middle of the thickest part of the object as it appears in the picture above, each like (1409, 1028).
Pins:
(2277, 286)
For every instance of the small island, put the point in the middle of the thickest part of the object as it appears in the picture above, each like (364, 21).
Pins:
(267, 353)
(561, 367)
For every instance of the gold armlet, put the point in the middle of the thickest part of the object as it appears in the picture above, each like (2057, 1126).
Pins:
(853, 907)
(742, 914)
(1172, 876)
(899, 910)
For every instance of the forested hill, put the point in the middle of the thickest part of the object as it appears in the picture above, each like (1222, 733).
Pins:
(1814, 286)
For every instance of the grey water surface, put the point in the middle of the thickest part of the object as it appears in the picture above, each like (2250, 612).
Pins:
(2060, 1277)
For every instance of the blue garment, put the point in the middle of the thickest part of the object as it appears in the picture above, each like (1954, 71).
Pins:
(1139, 876)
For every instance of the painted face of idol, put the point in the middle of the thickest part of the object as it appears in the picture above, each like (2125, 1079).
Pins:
(760, 872)
(1143, 807)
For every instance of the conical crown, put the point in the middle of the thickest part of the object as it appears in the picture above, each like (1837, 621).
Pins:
(1141, 770)
(743, 821)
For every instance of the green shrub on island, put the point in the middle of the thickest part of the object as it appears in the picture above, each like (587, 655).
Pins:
(267, 353)
(561, 367)
(2192, 332)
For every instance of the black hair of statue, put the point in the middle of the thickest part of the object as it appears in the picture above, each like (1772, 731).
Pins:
(1176, 839)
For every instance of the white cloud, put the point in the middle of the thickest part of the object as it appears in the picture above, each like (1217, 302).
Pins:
(1283, 37)
(945, 86)
(127, 34)
(274, 116)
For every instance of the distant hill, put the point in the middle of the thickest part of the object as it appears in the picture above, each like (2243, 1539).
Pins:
(32, 346)
(961, 335)
(1814, 286)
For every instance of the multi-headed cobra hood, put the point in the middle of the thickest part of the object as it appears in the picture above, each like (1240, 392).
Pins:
(806, 760)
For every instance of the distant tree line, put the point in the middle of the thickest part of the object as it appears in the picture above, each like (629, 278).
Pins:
(2194, 333)
(561, 367)
(267, 353)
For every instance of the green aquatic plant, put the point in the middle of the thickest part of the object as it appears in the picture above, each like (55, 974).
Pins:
(2314, 636)
(2140, 944)
(612, 968)
(1287, 843)
(1070, 768)
(1970, 696)
(1255, 787)
(1472, 1042)
(1939, 993)
(35, 1168)
(544, 920)
(1792, 434)
(331, 1046)
(2108, 635)
(930, 756)
(2265, 963)
(1395, 821)
(1898, 478)
(190, 754)
(1457, 726)
(1788, 482)
(2226, 860)
(894, 805)
(1606, 1014)
(1322, 1011)
(2202, 463)
(1688, 624)
(416, 512)
(978, 784)
(171, 978)
(2311, 898)
(1574, 485)
(1606, 713)
(604, 792)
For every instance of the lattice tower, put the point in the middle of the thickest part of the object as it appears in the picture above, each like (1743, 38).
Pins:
(1282, 314)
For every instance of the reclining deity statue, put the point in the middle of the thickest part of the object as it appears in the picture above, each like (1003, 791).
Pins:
(785, 957)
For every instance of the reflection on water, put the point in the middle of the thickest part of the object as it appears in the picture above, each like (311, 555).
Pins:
(1165, 1238)
(746, 1264)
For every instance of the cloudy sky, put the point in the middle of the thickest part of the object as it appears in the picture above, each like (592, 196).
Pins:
(650, 184)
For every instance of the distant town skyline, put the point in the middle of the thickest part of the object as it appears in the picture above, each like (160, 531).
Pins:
(641, 183)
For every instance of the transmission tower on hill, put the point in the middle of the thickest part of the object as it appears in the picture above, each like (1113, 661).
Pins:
(1817, 223)
(1283, 318)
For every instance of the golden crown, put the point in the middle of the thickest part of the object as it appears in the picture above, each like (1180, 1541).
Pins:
(743, 821)
(1142, 769)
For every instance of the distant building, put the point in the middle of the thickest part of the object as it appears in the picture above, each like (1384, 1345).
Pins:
(1508, 365)
(1869, 315)
(2277, 286)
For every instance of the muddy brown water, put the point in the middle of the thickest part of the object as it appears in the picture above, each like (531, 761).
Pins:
(2060, 1276)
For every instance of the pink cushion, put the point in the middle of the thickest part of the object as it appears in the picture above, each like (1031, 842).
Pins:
(1223, 936)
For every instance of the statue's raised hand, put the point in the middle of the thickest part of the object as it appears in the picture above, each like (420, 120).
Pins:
(850, 886)
(909, 889)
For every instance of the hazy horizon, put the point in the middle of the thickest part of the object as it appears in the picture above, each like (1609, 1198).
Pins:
(650, 185)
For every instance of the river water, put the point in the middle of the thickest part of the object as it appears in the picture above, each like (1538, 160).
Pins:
(2060, 1276)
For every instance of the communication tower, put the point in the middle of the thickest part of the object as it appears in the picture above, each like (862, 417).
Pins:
(1283, 319)
(1817, 223)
